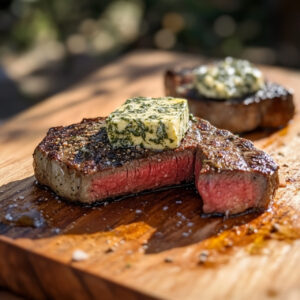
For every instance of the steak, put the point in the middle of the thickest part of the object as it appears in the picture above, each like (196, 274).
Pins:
(78, 163)
(270, 107)
(231, 175)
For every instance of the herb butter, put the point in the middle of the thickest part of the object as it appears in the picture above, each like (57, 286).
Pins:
(153, 123)
(229, 78)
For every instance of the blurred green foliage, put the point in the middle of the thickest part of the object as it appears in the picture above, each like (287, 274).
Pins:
(48, 45)
(213, 28)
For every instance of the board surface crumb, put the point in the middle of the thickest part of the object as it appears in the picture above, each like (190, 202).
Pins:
(79, 255)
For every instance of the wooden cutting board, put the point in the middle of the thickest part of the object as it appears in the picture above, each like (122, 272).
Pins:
(154, 245)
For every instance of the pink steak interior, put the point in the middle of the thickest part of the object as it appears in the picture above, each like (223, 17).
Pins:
(144, 175)
(232, 192)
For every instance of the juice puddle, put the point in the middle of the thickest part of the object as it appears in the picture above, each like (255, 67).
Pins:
(24, 218)
(279, 222)
(166, 222)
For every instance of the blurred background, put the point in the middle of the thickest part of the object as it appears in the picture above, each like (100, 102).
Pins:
(49, 45)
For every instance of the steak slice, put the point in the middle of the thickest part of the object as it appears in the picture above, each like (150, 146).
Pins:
(78, 163)
(271, 106)
(231, 175)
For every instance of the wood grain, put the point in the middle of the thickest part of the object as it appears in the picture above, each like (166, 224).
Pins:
(154, 245)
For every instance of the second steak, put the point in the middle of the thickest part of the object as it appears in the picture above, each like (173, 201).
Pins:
(270, 107)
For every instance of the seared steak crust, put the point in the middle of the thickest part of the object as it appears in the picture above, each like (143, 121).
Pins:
(85, 147)
(78, 163)
(271, 106)
(223, 150)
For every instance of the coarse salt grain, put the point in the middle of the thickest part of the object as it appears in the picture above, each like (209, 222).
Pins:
(79, 255)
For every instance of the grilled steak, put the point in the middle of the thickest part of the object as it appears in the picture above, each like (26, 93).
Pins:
(231, 175)
(270, 107)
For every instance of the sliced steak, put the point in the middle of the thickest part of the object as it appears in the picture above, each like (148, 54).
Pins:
(271, 107)
(78, 163)
(231, 175)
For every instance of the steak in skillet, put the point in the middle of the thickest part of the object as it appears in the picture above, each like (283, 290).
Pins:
(270, 107)
(231, 175)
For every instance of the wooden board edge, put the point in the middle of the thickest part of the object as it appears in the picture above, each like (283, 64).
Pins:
(46, 278)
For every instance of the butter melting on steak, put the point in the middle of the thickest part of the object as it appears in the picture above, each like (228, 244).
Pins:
(78, 163)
